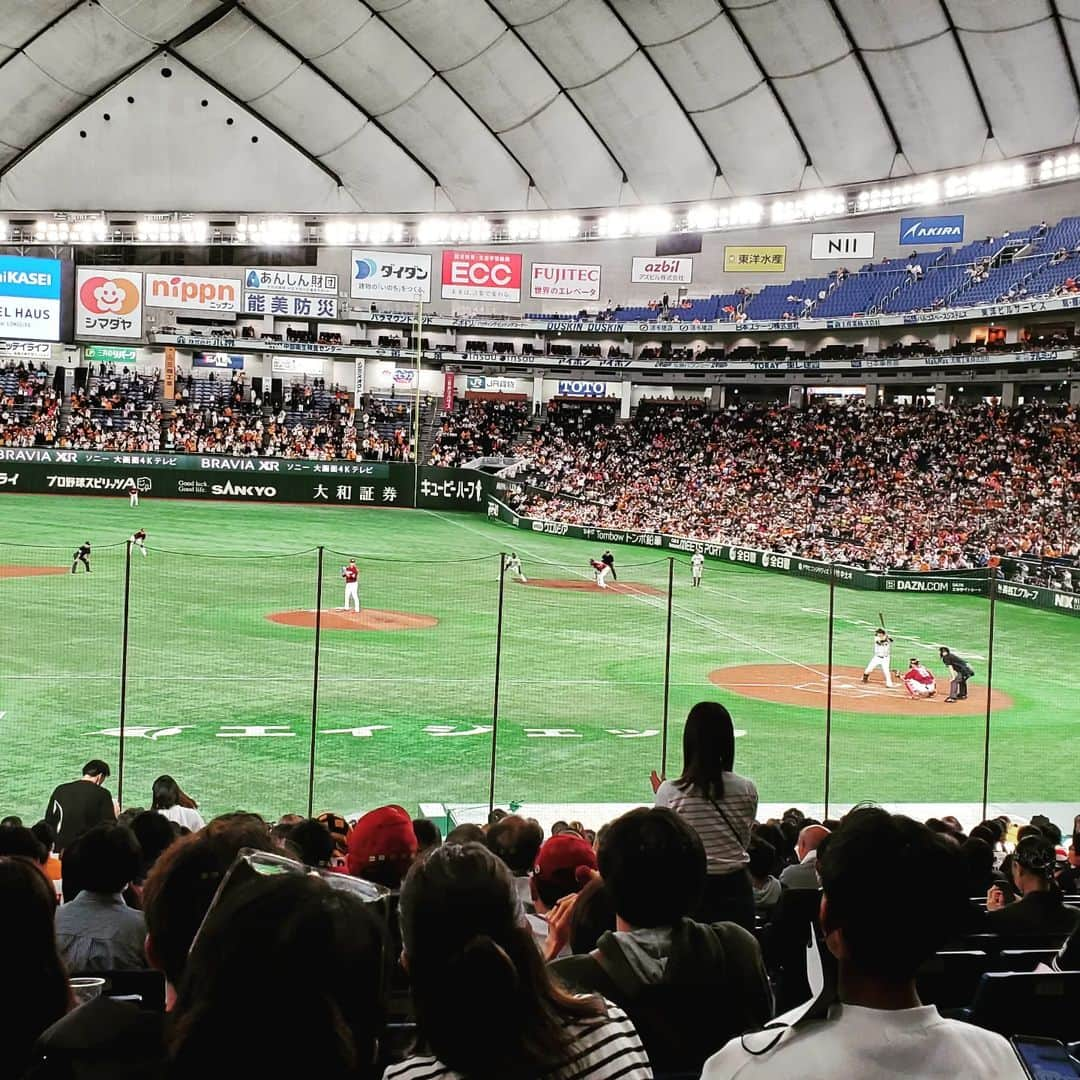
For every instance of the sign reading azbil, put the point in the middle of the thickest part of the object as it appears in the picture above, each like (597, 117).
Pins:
(481, 275)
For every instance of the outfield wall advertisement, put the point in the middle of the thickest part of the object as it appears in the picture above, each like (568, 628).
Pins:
(972, 582)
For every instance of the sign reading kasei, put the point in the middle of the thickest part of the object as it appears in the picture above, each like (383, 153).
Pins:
(186, 293)
(30, 298)
(564, 281)
(481, 275)
(390, 275)
(307, 282)
(842, 245)
(669, 271)
(108, 303)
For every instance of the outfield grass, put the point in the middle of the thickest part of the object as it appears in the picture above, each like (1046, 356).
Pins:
(403, 716)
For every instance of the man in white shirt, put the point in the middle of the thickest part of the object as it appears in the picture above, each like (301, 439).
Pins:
(893, 894)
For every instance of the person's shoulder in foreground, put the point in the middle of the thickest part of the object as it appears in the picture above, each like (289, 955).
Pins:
(871, 1044)
(604, 1047)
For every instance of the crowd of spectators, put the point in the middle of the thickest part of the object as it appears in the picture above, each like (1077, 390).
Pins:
(665, 942)
(116, 411)
(29, 406)
(888, 487)
(478, 428)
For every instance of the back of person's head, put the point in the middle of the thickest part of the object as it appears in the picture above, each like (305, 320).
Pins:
(38, 993)
(183, 881)
(18, 840)
(45, 835)
(1051, 831)
(762, 857)
(562, 866)
(427, 835)
(96, 767)
(465, 941)
(774, 836)
(382, 846)
(978, 858)
(282, 939)
(517, 842)
(708, 749)
(465, 834)
(984, 833)
(154, 833)
(312, 843)
(1028, 830)
(109, 858)
(166, 793)
(997, 827)
(12, 821)
(894, 892)
(653, 865)
(1035, 855)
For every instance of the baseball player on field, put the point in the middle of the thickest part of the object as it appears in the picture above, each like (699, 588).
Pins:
(918, 680)
(513, 565)
(881, 658)
(133, 493)
(138, 539)
(697, 564)
(82, 555)
(351, 574)
(601, 570)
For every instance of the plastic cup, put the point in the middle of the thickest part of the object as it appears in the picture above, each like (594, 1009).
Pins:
(86, 988)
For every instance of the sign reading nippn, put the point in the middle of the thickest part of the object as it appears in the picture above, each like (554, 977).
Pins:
(192, 293)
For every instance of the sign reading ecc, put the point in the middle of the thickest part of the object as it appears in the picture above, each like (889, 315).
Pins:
(481, 275)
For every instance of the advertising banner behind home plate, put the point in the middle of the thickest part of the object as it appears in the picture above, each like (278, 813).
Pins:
(669, 271)
(481, 275)
(108, 303)
(564, 281)
(390, 275)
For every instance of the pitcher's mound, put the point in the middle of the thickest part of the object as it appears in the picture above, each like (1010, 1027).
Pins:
(792, 684)
(631, 588)
(32, 571)
(368, 619)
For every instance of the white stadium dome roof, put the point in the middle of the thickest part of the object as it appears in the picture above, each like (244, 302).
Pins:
(398, 106)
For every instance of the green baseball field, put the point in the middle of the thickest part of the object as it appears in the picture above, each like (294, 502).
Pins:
(203, 653)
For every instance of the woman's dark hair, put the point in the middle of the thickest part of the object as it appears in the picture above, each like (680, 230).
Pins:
(282, 942)
(312, 843)
(166, 793)
(466, 942)
(708, 749)
(776, 838)
(32, 965)
(592, 917)
(978, 858)
(155, 835)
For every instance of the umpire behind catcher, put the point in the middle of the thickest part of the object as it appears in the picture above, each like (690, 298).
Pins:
(961, 672)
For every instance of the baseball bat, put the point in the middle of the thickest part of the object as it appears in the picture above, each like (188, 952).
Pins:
(881, 621)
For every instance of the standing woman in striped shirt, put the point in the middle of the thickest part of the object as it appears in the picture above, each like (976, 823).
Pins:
(720, 805)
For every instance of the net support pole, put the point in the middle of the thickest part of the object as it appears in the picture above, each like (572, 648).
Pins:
(992, 587)
(828, 684)
(315, 682)
(124, 674)
(667, 668)
(417, 332)
(498, 678)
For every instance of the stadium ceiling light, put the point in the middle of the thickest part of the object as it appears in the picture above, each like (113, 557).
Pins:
(338, 232)
(612, 226)
(563, 227)
(380, 232)
(269, 231)
(652, 220)
(808, 207)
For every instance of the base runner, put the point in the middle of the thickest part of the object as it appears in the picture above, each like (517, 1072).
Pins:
(881, 658)
(138, 539)
(351, 574)
(697, 564)
(918, 680)
(513, 566)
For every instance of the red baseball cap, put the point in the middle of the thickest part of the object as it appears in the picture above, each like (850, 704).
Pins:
(559, 863)
(382, 845)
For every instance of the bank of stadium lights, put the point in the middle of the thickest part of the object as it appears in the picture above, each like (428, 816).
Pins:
(552, 229)
(986, 180)
(343, 233)
(649, 221)
(808, 207)
(168, 230)
(710, 216)
(1059, 167)
(83, 230)
(267, 232)
(474, 230)
(923, 192)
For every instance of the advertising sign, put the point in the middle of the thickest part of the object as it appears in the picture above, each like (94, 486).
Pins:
(358, 379)
(578, 388)
(842, 245)
(30, 350)
(306, 282)
(481, 275)
(184, 293)
(948, 229)
(390, 275)
(404, 376)
(448, 391)
(290, 305)
(491, 384)
(110, 354)
(169, 391)
(30, 298)
(564, 281)
(669, 271)
(221, 360)
(741, 260)
(296, 365)
(108, 303)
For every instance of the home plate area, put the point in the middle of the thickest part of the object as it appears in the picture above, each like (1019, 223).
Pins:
(807, 686)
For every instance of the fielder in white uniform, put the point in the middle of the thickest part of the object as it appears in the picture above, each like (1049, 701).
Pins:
(133, 494)
(882, 658)
(697, 564)
(138, 539)
(601, 570)
(513, 564)
(351, 574)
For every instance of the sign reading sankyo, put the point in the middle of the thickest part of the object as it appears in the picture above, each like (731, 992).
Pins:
(932, 230)
(30, 298)
(307, 282)
(847, 245)
(390, 275)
